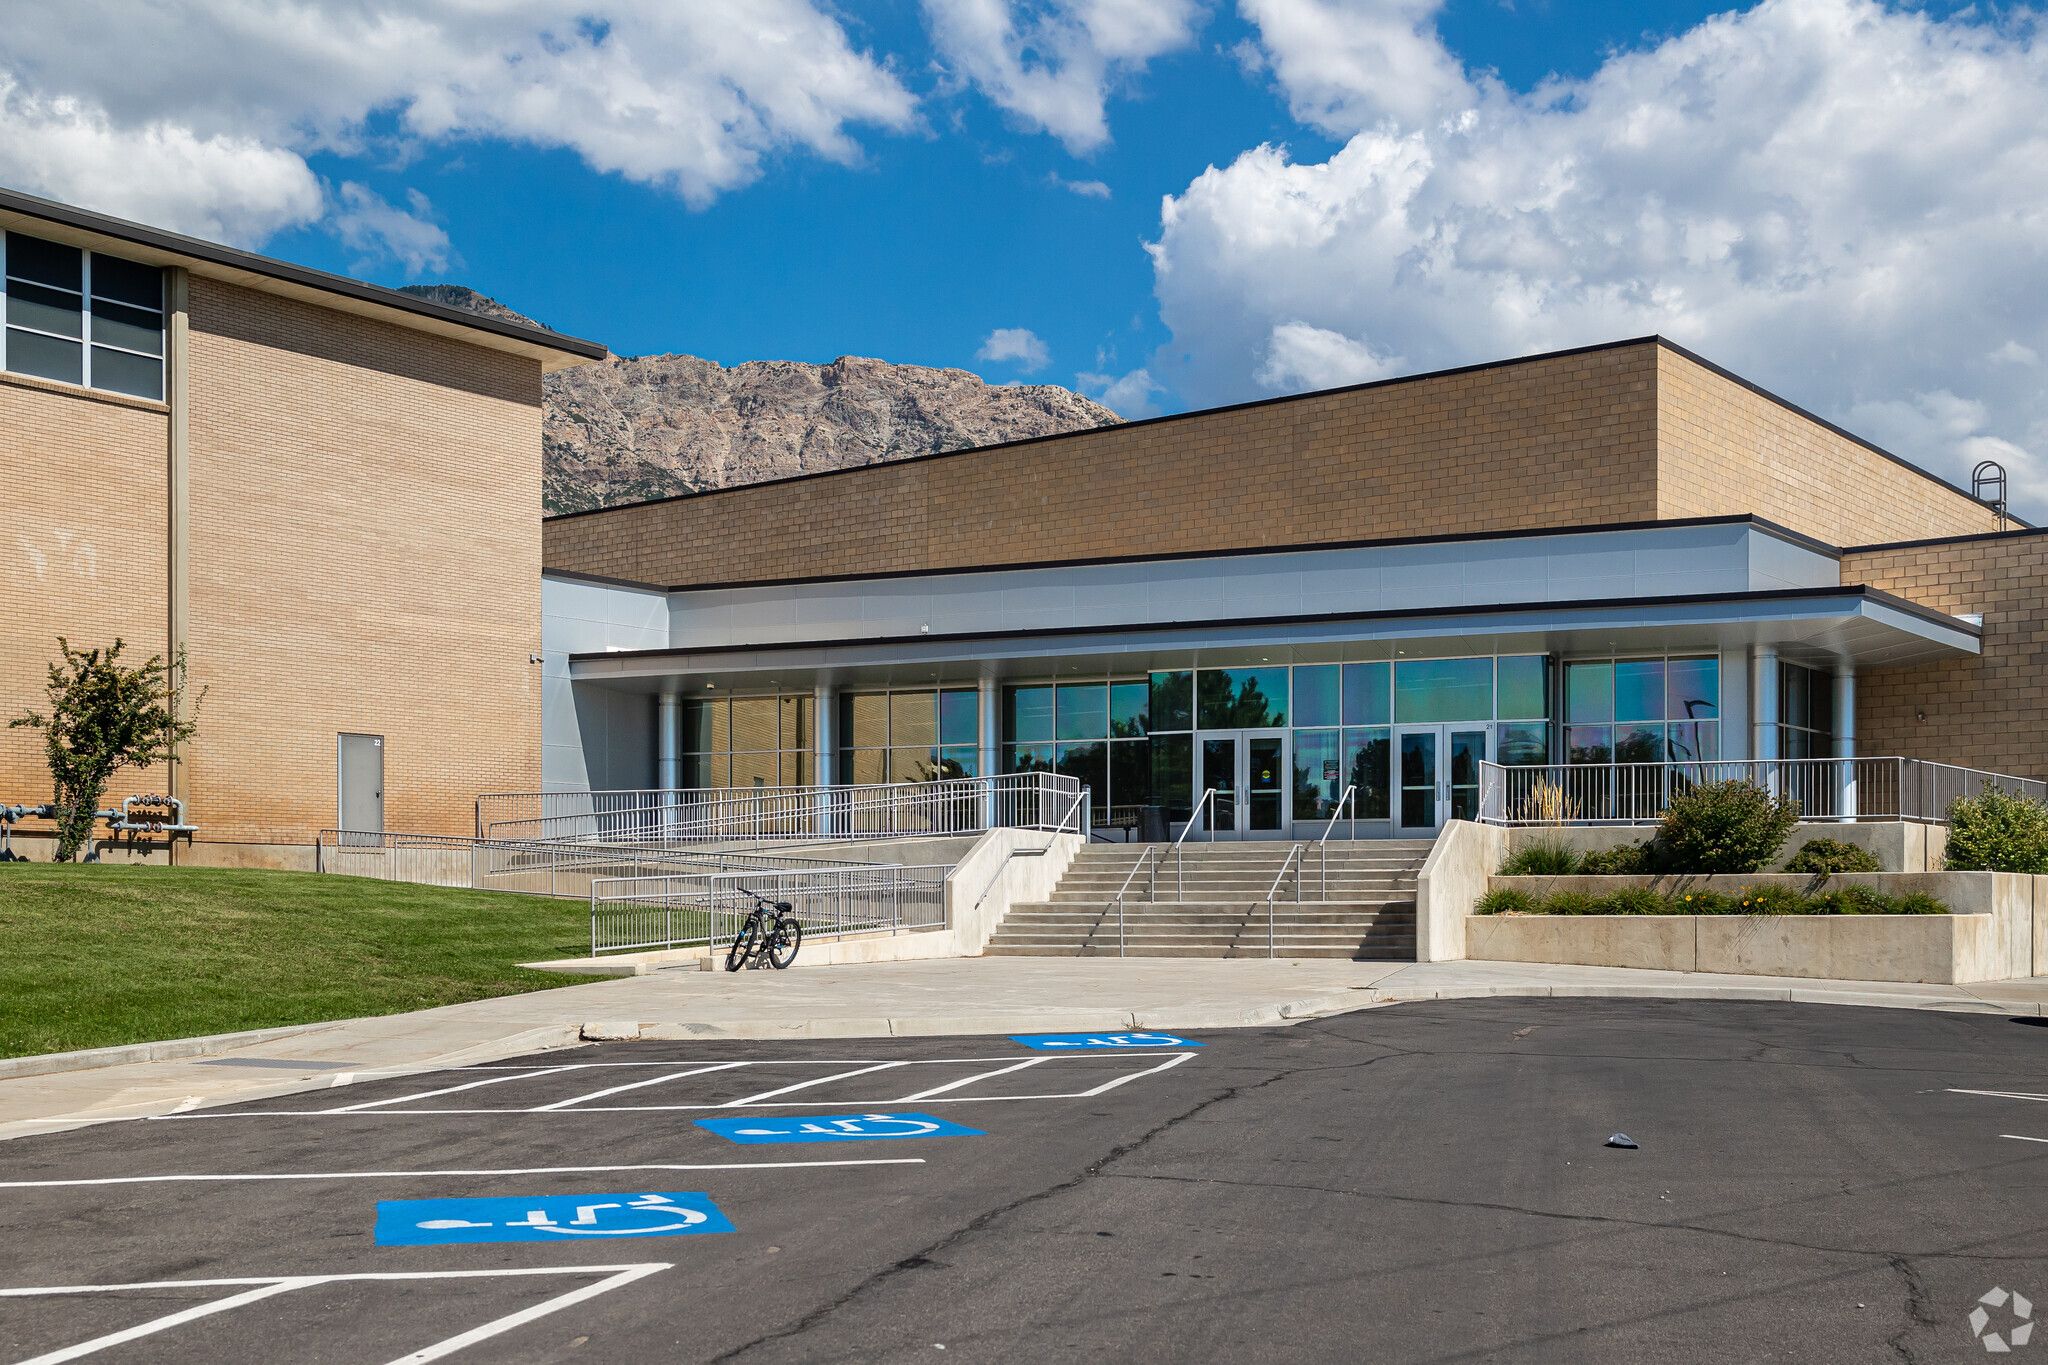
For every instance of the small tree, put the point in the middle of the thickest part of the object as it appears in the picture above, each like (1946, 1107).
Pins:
(1998, 831)
(1724, 827)
(104, 716)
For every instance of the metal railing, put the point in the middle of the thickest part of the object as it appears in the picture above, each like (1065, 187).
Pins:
(963, 805)
(1294, 858)
(1071, 817)
(1146, 860)
(640, 914)
(1349, 798)
(1841, 789)
(528, 867)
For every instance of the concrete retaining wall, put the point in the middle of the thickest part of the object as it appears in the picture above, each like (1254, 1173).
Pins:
(1898, 847)
(1452, 879)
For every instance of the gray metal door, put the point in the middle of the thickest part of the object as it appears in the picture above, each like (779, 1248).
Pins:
(362, 783)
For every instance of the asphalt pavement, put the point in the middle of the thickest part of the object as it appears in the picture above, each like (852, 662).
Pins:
(1424, 1182)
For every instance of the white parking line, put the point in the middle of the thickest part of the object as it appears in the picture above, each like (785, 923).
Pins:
(2001, 1094)
(746, 1100)
(449, 1090)
(635, 1085)
(2022, 1137)
(969, 1080)
(413, 1175)
(270, 1286)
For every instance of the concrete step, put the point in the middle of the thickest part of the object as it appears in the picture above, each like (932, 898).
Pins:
(1109, 949)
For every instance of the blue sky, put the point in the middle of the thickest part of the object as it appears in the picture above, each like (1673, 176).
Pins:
(1184, 202)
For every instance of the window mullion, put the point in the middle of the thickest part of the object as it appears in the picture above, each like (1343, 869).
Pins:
(85, 318)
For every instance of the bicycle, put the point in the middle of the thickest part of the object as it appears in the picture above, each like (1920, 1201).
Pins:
(771, 931)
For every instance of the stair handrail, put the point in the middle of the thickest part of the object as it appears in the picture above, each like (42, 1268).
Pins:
(1273, 891)
(1136, 868)
(1194, 817)
(1057, 830)
(1350, 798)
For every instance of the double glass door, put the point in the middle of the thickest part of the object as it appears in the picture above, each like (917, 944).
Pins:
(1436, 775)
(1248, 770)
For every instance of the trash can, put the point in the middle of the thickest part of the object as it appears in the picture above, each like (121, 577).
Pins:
(1152, 824)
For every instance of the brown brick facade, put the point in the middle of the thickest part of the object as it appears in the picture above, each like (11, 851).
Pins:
(1549, 442)
(1989, 712)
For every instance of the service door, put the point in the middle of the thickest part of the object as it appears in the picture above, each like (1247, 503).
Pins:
(362, 783)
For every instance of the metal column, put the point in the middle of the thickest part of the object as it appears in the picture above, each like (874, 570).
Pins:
(1845, 737)
(668, 740)
(824, 737)
(988, 749)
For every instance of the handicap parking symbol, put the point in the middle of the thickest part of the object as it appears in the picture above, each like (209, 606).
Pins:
(756, 1128)
(1100, 1042)
(545, 1218)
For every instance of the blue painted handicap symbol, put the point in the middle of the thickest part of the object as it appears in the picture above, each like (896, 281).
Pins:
(545, 1218)
(1100, 1042)
(833, 1127)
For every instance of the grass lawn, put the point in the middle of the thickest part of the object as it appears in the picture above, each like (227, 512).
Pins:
(93, 956)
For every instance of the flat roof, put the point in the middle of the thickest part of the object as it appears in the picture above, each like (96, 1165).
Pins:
(82, 227)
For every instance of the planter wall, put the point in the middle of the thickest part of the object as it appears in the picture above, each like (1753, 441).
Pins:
(1899, 847)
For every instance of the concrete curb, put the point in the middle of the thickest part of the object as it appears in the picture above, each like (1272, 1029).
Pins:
(1374, 997)
(168, 1050)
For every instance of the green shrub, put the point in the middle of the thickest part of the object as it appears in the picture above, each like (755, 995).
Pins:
(1775, 900)
(1503, 900)
(1543, 858)
(1635, 900)
(1826, 856)
(1571, 903)
(1916, 903)
(1998, 831)
(1702, 903)
(1622, 860)
(1725, 827)
(1859, 900)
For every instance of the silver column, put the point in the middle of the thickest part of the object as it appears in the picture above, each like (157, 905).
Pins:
(1845, 736)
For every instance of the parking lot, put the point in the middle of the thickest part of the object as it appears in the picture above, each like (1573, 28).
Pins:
(1425, 1182)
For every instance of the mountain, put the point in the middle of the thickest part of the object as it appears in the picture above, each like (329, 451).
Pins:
(628, 429)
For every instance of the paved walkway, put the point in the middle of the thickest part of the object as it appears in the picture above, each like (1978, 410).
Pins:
(971, 995)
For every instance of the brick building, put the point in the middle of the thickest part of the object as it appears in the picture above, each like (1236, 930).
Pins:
(326, 493)
(1605, 565)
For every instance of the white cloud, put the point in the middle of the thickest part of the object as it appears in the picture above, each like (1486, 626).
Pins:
(1844, 202)
(199, 114)
(1344, 65)
(1087, 189)
(1127, 395)
(373, 226)
(1018, 346)
(1052, 64)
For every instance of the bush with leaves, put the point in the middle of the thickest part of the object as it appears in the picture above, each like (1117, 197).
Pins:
(1828, 856)
(1623, 860)
(1998, 831)
(1635, 900)
(1725, 827)
(1505, 900)
(104, 716)
(1542, 858)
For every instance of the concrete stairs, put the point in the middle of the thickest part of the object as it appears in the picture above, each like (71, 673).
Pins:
(1214, 903)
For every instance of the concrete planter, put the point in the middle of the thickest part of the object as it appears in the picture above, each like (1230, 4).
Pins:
(1898, 847)
(1993, 934)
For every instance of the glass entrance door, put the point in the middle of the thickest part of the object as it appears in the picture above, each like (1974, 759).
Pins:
(1248, 770)
(1436, 775)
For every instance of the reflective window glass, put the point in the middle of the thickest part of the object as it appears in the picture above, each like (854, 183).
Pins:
(960, 760)
(1639, 689)
(1318, 770)
(1368, 696)
(1027, 758)
(1368, 756)
(1173, 771)
(864, 767)
(128, 282)
(32, 258)
(1089, 765)
(755, 769)
(1692, 689)
(1081, 711)
(1130, 773)
(1524, 687)
(115, 324)
(46, 310)
(913, 719)
(1316, 695)
(1694, 741)
(796, 731)
(1172, 701)
(1588, 744)
(1821, 702)
(864, 720)
(1129, 704)
(753, 723)
(959, 717)
(704, 728)
(45, 357)
(1638, 743)
(1523, 744)
(1027, 714)
(1443, 689)
(1241, 698)
(1588, 693)
(139, 376)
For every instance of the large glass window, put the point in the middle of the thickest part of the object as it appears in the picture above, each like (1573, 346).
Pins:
(1642, 710)
(1428, 690)
(1368, 695)
(1318, 695)
(912, 736)
(1098, 733)
(748, 742)
(1806, 712)
(1241, 698)
(81, 317)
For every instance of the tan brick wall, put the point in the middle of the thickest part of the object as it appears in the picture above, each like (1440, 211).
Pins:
(82, 551)
(1551, 442)
(365, 543)
(1726, 449)
(1989, 712)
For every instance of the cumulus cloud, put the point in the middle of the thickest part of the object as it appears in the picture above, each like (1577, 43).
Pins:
(1845, 202)
(1128, 395)
(1052, 64)
(218, 104)
(1087, 189)
(373, 226)
(1018, 346)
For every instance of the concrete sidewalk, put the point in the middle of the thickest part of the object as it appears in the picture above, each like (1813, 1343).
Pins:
(947, 996)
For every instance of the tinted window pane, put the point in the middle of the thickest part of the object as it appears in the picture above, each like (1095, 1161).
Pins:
(1130, 773)
(1588, 693)
(1639, 689)
(48, 310)
(1367, 756)
(913, 720)
(796, 770)
(1443, 689)
(1088, 764)
(1173, 771)
(912, 763)
(1318, 770)
(120, 372)
(1524, 744)
(864, 767)
(1692, 689)
(864, 720)
(704, 770)
(127, 282)
(1694, 742)
(1028, 758)
(960, 760)
(32, 258)
(1638, 744)
(1129, 703)
(1524, 687)
(959, 718)
(1082, 710)
(1027, 713)
(1367, 694)
(1821, 698)
(796, 730)
(1241, 698)
(754, 770)
(114, 325)
(1316, 696)
(704, 725)
(753, 723)
(1792, 696)
(1588, 744)
(1172, 701)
